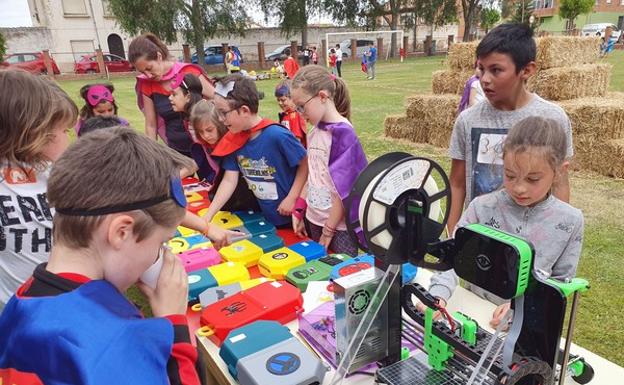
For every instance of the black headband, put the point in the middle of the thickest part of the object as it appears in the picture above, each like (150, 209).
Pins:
(176, 193)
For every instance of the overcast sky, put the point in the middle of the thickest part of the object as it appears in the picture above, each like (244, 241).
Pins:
(14, 13)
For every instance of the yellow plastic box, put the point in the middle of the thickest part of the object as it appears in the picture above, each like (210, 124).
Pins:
(244, 252)
(275, 264)
(226, 220)
(229, 272)
(193, 197)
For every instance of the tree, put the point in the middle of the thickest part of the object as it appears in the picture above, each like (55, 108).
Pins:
(293, 15)
(521, 11)
(2, 46)
(196, 19)
(571, 9)
(470, 10)
(489, 18)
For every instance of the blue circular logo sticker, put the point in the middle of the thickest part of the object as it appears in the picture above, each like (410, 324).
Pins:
(282, 364)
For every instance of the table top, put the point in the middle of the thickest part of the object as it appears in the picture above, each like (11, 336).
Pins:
(606, 372)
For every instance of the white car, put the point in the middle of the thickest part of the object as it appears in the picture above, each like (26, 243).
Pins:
(598, 29)
(345, 46)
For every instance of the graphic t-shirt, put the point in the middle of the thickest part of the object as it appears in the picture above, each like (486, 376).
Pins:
(269, 163)
(478, 137)
(25, 225)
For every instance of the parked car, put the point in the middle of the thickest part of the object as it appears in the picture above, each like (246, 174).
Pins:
(362, 46)
(31, 62)
(599, 29)
(214, 54)
(88, 64)
(279, 53)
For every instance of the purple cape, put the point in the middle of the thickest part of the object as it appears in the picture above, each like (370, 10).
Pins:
(346, 157)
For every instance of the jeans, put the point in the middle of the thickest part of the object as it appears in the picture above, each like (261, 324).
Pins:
(338, 65)
(370, 66)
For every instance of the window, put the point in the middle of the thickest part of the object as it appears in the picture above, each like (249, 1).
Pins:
(15, 59)
(608, 1)
(29, 57)
(106, 8)
(74, 8)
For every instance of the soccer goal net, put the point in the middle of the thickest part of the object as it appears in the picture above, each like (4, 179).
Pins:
(362, 39)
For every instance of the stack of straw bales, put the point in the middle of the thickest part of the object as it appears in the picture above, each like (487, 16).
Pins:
(567, 73)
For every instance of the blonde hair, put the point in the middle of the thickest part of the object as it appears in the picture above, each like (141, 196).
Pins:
(29, 116)
(205, 111)
(314, 78)
(109, 168)
(538, 134)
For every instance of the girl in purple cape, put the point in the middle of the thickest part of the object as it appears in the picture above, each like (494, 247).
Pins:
(473, 93)
(335, 158)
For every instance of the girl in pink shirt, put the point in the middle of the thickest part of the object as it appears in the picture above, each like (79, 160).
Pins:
(335, 158)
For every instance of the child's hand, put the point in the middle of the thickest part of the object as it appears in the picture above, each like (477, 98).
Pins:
(171, 293)
(325, 240)
(220, 237)
(299, 227)
(499, 314)
(286, 207)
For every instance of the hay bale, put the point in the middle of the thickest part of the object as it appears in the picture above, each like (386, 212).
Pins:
(552, 51)
(431, 118)
(402, 127)
(462, 56)
(560, 51)
(450, 81)
(564, 83)
(596, 118)
(604, 157)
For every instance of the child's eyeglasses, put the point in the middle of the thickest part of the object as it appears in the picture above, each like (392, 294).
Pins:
(300, 109)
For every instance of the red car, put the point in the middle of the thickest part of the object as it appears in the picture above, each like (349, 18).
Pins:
(31, 62)
(88, 64)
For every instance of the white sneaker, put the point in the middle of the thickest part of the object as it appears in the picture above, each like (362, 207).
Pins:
(369, 78)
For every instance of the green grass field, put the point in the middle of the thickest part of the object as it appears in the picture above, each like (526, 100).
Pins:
(598, 324)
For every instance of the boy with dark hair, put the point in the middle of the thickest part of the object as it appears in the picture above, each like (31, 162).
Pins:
(99, 122)
(272, 160)
(506, 58)
(70, 323)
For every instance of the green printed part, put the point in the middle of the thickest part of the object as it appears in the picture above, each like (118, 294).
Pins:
(405, 352)
(576, 284)
(468, 328)
(520, 245)
(576, 368)
(438, 351)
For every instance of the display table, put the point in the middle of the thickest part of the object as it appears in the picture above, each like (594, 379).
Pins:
(606, 372)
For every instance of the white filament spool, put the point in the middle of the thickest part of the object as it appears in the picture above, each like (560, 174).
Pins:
(406, 176)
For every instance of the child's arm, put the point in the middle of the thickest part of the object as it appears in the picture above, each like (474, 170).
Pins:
(298, 218)
(565, 266)
(219, 237)
(336, 213)
(287, 205)
(224, 193)
(457, 180)
(151, 120)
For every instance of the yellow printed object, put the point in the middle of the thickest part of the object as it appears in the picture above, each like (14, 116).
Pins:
(275, 264)
(254, 282)
(186, 232)
(193, 197)
(203, 245)
(178, 245)
(229, 272)
(244, 252)
(226, 220)
(202, 212)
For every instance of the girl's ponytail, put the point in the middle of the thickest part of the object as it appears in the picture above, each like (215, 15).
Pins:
(342, 99)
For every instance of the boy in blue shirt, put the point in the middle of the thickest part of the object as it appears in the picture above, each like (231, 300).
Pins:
(371, 59)
(273, 162)
(70, 323)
